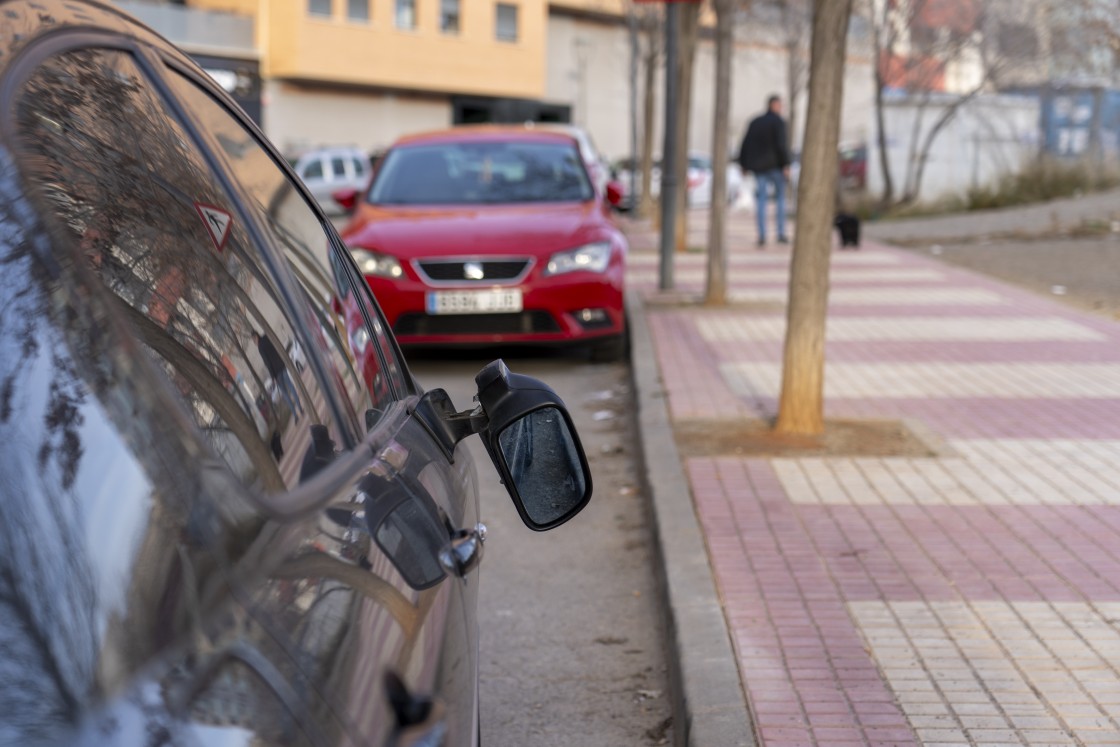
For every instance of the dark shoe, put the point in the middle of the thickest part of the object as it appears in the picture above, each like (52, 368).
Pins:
(761, 243)
(783, 240)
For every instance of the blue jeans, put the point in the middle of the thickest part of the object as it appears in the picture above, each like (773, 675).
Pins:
(764, 182)
(288, 392)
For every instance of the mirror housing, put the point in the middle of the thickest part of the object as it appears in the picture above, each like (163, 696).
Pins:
(347, 197)
(529, 436)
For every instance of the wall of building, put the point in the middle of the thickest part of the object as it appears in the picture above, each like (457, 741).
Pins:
(989, 137)
(299, 117)
(589, 67)
(377, 53)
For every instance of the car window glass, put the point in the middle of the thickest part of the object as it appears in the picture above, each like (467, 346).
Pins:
(338, 167)
(359, 167)
(482, 172)
(298, 232)
(126, 185)
(313, 170)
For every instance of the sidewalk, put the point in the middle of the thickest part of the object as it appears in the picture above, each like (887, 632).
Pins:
(972, 597)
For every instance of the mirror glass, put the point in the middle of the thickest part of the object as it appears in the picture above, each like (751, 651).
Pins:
(545, 464)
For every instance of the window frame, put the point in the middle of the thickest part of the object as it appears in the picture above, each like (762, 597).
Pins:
(311, 12)
(411, 6)
(329, 232)
(443, 16)
(158, 65)
(366, 14)
(498, 8)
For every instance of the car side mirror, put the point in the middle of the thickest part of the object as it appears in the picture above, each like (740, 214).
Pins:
(347, 197)
(614, 193)
(529, 436)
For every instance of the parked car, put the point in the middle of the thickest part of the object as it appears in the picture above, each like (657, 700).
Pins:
(491, 235)
(698, 179)
(229, 515)
(853, 166)
(327, 170)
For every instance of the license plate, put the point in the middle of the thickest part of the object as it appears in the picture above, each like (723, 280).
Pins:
(504, 301)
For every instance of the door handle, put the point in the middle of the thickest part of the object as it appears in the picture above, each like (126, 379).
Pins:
(464, 552)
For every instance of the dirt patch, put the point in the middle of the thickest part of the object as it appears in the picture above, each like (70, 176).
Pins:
(851, 438)
(1073, 271)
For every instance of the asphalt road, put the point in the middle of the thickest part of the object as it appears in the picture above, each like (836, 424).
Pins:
(572, 638)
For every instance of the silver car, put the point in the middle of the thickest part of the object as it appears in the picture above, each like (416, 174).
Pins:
(327, 170)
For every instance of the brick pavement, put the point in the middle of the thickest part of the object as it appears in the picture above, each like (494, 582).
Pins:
(968, 598)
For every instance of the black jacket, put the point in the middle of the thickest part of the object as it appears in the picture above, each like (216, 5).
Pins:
(764, 146)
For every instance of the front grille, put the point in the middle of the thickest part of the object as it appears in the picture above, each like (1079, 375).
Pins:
(527, 322)
(455, 271)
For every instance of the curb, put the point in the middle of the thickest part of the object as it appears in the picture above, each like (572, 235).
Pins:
(709, 705)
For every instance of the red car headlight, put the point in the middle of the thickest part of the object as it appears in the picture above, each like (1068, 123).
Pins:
(375, 263)
(590, 257)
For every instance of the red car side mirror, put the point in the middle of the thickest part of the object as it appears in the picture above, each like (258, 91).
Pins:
(614, 193)
(347, 197)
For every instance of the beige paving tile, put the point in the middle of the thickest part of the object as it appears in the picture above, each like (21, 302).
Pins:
(1009, 688)
(938, 380)
(725, 329)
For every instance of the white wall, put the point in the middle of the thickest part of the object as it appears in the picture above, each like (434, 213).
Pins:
(296, 118)
(989, 137)
(589, 68)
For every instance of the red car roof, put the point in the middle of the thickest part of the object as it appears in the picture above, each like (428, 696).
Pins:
(484, 133)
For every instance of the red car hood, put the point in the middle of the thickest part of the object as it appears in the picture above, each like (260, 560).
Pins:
(536, 229)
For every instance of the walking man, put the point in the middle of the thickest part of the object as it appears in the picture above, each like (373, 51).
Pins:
(279, 373)
(765, 153)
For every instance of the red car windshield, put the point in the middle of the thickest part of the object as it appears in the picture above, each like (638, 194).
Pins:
(477, 173)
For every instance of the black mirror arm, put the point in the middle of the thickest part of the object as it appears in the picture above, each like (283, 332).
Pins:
(436, 413)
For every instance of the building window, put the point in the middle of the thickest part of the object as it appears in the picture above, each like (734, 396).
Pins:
(406, 14)
(319, 7)
(449, 16)
(506, 29)
(357, 10)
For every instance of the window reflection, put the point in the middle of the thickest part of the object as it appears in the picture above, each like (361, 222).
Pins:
(359, 357)
(128, 187)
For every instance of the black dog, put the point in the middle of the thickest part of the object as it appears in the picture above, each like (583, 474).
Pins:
(848, 225)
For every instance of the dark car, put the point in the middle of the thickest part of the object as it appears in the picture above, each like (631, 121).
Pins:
(229, 515)
(853, 167)
(478, 236)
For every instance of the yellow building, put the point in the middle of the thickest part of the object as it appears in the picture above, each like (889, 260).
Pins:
(364, 72)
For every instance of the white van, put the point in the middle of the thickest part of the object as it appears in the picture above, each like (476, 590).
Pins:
(326, 170)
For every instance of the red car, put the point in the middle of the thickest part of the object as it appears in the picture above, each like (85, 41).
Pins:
(491, 235)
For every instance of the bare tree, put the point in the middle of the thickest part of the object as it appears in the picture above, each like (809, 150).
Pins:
(914, 55)
(687, 43)
(795, 19)
(717, 238)
(651, 32)
(801, 404)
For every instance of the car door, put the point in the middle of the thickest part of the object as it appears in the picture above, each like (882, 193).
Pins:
(409, 623)
(350, 628)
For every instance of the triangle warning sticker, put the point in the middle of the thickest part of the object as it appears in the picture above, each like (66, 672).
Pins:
(217, 222)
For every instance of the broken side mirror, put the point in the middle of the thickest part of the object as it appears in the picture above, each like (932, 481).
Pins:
(529, 436)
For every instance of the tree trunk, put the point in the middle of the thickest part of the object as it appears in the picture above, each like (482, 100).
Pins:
(912, 152)
(914, 188)
(717, 235)
(877, 31)
(645, 208)
(801, 404)
(690, 32)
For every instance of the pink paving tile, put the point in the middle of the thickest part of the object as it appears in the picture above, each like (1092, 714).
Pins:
(787, 572)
